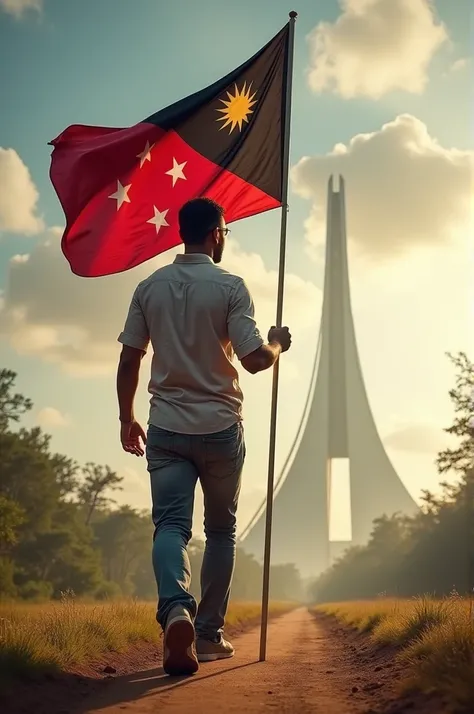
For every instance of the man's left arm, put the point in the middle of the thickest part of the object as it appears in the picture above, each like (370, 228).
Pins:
(135, 339)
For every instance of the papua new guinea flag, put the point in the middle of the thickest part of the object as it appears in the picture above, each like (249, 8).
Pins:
(121, 189)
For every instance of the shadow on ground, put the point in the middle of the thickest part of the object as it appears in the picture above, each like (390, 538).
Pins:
(140, 685)
(75, 694)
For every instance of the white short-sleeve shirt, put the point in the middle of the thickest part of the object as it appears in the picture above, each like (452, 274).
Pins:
(196, 316)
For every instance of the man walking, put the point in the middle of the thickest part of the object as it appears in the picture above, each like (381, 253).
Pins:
(196, 316)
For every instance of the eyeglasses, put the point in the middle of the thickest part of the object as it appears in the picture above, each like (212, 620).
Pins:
(224, 231)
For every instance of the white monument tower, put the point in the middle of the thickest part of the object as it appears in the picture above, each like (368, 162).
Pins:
(337, 433)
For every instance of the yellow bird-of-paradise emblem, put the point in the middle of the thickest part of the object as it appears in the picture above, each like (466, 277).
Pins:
(237, 107)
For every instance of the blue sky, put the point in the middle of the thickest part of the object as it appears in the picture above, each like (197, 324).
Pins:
(111, 62)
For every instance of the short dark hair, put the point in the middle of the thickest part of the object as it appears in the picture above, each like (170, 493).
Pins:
(197, 218)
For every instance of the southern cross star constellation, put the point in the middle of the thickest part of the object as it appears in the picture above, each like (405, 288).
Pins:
(176, 172)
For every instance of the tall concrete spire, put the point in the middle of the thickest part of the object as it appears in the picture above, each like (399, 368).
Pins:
(337, 425)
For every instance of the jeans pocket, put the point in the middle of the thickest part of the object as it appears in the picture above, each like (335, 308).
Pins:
(224, 452)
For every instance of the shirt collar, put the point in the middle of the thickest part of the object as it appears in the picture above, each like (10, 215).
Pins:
(193, 258)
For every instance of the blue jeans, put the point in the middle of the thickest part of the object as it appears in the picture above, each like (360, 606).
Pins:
(176, 462)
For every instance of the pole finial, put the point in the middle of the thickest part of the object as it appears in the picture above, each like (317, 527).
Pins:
(293, 15)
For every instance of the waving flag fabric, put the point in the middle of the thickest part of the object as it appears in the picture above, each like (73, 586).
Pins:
(121, 189)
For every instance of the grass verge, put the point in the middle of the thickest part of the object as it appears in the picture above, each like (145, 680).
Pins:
(57, 636)
(435, 640)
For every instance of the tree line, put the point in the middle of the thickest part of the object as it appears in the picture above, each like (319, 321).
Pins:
(432, 552)
(61, 529)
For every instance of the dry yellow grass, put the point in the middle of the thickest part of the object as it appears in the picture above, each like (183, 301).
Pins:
(57, 636)
(436, 640)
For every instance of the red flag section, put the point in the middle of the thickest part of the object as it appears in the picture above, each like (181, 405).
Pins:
(121, 189)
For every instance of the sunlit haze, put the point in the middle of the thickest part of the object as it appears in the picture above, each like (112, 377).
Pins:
(388, 109)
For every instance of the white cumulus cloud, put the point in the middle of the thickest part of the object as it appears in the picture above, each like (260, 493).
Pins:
(49, 312)
(18, 196)
(18, 8)
(460, 64)
(50, 417)
(375, 47)
(404, 189)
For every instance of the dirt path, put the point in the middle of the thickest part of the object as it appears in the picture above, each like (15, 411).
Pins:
(306, 671)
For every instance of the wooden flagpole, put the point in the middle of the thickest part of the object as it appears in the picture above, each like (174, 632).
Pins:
(279, 315)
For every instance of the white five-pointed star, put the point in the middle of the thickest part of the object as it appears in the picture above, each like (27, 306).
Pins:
(146, 153)
(121, 194)
(177, 171)
(159, 219)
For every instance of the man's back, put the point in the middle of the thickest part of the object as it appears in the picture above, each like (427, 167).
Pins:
(196, 315)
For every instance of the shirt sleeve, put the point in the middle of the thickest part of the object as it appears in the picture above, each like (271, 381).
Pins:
(135, 333)
(243, 331)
